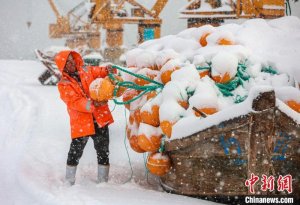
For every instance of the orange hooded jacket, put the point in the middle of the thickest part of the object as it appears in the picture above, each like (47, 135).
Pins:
(77, 98)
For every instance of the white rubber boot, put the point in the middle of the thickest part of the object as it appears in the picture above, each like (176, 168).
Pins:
(103, 171)
(70, 174)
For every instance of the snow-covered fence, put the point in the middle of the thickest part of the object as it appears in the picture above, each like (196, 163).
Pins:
(218, 160)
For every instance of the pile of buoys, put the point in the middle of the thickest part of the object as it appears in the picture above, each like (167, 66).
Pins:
(143, 128)
(185, 92)
(200, 72)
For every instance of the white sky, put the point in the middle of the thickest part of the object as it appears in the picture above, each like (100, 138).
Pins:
(17, 41)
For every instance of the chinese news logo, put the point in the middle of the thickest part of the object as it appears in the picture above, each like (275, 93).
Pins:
(283, 183)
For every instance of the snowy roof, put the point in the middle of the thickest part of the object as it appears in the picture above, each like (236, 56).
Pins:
(202, 7)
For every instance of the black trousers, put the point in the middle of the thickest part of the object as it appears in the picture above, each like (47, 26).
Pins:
(101, 145)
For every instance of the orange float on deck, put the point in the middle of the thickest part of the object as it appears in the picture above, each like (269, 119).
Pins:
(225, 42)
(222, 79)
(204, 73)
(166, 75)
(202, 40)
(142, 82)
(294, 105)
(149, 144)
(151, 118)
(133, 141)
(207, 111)
(128, 132)
(137, 116)
(166, 128)
(128, 95)
(151, 95)
(158, 164)
(184, 104)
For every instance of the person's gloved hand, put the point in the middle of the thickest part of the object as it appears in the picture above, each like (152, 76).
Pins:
(100, 103)
(110, 69)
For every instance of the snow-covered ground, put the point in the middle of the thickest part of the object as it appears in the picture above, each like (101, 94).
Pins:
(34, 142)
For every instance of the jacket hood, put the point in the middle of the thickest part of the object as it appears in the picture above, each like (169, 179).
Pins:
(62, 56)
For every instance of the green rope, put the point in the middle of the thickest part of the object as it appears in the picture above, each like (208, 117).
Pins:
(138, 75)
(146, 169)
(203, 68)
(162, 145)
(239, 99)
(145, 162)
(114, 107)
(133, 99)
(241, 72)
(269, 70)
(127, 150)
(132, 85)
(288, 10)
(227, 88)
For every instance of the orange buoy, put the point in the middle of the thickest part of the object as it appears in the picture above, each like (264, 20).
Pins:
(158, 164)
(153, 67)
(225, 42)
(151, 117)
(149, 137)
(128, 95)
(142, 82)
(101, 89)
(133, 141)
(149, 144)
(202, 40)
(207, 111)
(166, 75)
(222, 79)
(128, 131)
(204, 73)
(151, 95)
(294, 105)
(166, 127)
(184, 104)
(137, 117)
(147, 72)
(131, 118)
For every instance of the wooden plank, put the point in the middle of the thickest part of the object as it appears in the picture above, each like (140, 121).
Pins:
(247, 7)
(233, 141)
(194, 5)
(119, 20)
(208, 13)
(272, 13)
(230, 125)
(101, 12)
(158, 7)
(146, 11)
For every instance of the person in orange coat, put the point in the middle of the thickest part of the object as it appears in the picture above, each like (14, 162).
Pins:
(87, 117)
